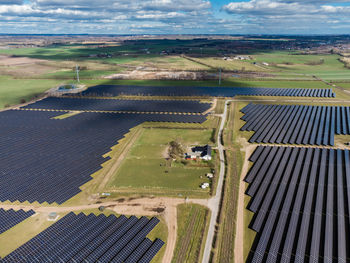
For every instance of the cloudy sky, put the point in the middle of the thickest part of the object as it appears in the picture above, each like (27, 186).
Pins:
(175, 16)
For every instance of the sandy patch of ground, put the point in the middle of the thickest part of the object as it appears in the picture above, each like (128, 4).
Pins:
(160, 75)
(24, 66)
(16, 61)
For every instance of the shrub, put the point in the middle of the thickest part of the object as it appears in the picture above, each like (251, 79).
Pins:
(176, 150)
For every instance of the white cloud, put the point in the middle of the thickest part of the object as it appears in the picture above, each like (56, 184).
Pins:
(168, 16)
(278, 16)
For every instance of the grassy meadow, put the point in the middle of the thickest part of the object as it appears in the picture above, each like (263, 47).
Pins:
(146, 168)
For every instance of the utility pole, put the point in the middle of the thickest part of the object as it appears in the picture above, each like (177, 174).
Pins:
(77, 70)
(219, 76)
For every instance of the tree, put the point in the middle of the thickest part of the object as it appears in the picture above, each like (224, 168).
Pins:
(175, 150)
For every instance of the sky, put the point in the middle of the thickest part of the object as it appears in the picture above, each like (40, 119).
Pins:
(175, 16)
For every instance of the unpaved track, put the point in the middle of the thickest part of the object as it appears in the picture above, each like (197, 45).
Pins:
(213, 105)
(214, 202)
(238, 254)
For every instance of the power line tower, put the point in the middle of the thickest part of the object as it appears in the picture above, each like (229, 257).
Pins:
(77, 69)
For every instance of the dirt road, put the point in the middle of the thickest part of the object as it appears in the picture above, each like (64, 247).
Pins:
(214, 202)
(238, 254)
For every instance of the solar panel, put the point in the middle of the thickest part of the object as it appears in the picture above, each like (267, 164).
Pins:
(10, 218)
(86, 235)
(115, 90)
(93, 104)
(298, 203)
(295, 124)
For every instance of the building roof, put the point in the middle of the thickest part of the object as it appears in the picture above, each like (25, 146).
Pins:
(205, 150)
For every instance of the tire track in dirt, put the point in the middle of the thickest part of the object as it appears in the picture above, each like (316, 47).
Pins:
(186, 242)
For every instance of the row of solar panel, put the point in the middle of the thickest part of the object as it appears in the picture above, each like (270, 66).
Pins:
(81, 238)
(120, 105)
(113, 90)
(10, 218)
(301, 201)
(296, 124)
(50, 159)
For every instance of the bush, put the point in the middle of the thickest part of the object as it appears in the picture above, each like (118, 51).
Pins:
(22, 101)
(175, 150)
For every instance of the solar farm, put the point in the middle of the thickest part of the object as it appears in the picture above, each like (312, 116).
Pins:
(77, 104)
(296, 124)
(91, 238)
(10, 218)
(300, 200)
(114, 90)
(110, 157)
(174, 148)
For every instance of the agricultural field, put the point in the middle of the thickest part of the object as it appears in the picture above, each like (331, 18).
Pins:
(215, 63)
(345, 85)
(16, 91)
(146, 167)
(325, 66)
(192, 221)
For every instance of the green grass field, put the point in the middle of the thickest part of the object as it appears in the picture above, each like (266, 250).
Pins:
(345, 85)
(144, 167)
(191, 232)
(12, 91)
(293, 62)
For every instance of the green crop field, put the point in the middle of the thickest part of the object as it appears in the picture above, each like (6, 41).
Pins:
(145, 166)
(192, 222)
(326, 66)
(345, 85)
(12, 91)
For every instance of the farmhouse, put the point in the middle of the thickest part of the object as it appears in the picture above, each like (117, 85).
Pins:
(202, 152)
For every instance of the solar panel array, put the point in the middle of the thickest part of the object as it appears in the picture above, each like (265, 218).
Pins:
(10, 218)
(296, 124)
(301, 200)
(114, 90)
(120, 105)
(47, 160)
(81, 238)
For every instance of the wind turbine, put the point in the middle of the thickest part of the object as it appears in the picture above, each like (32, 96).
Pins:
(77, 70)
